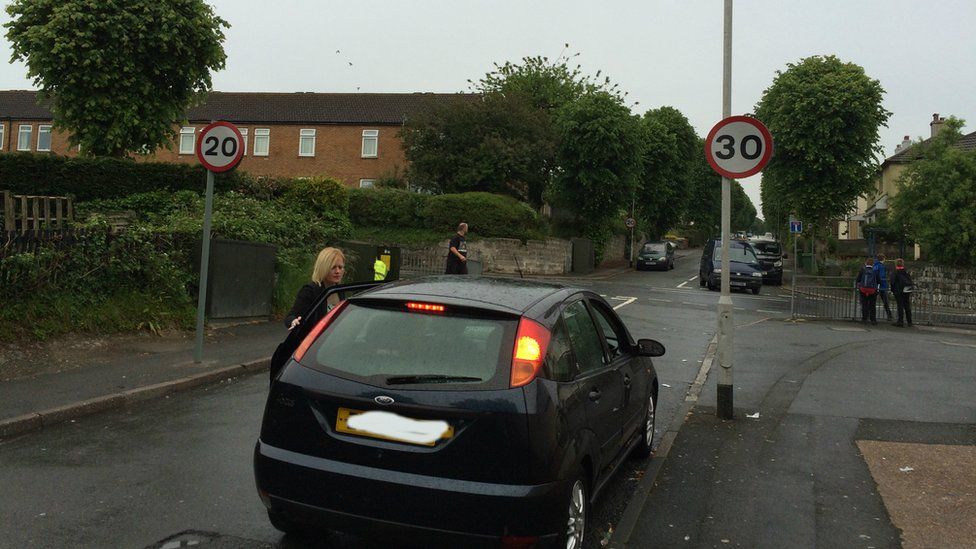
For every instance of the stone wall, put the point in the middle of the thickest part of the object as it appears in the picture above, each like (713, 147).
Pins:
(615, 254)
(552, 256)
(949, 287)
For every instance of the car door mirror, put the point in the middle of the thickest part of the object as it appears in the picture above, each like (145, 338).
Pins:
(649, 347)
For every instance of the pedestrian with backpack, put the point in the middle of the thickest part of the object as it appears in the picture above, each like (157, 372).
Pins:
(903, 287)
(867, 288)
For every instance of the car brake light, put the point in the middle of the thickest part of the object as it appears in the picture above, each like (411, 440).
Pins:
(531, 342)
(425, 307)
(316, 331)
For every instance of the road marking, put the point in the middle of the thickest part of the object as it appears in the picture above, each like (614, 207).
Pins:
(752, 323)
(625, 303)
(661, 300)
(957, 344)
(770, 312)
(682, 285)
(695, 304)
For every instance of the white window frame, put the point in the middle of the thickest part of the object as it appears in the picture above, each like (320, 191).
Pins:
(304, 135)
(41, 130)
(23, 144)
(2, 135)
(190, 131)
(263, 134)
(244, 136)
(367, 183)
(374, 137)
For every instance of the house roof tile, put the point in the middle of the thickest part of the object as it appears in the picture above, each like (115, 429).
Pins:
(966, 143)
(273, 108)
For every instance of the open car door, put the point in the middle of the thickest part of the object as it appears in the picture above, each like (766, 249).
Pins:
(309, 319)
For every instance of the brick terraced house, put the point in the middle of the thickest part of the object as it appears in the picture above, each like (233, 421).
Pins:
(349, 136)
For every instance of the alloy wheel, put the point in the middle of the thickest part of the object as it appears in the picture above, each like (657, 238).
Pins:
(576, 526)
(649, 422)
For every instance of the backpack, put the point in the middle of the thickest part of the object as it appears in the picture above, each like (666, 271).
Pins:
(869, 281)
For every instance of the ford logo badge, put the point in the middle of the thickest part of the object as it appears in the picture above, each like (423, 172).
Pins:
(384, 400)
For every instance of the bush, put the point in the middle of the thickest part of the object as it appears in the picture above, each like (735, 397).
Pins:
(321, 194)
(103, 178)
(487, 215)
(390, 208)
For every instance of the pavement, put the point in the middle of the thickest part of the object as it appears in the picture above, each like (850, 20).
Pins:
(844, 436)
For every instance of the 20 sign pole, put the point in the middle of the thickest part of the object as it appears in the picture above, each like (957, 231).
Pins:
(736, 147)
(219, 148)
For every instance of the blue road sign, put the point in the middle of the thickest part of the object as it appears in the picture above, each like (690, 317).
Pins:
(796, 226)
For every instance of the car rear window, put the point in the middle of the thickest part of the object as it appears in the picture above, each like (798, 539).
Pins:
(738, 251)
(386, 344)
(769, 248)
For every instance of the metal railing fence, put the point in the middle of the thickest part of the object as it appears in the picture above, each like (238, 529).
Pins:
(843, 303)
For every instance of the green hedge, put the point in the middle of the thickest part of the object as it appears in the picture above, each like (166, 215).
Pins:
(487, 215)
(99, 178)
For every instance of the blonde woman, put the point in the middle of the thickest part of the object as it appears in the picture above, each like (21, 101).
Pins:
(330, 266)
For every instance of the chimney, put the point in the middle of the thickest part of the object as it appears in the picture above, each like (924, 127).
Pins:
(905, 143)
(936, 124)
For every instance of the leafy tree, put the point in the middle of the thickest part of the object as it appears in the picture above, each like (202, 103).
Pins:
(704, 213)
(550, 85)
(117, 75)
(600, 161)
(500, 144)
(936, 202)
(666, 183)
(824, 115)
(742, 210)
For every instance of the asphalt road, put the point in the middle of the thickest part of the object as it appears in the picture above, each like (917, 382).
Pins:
(179, 469)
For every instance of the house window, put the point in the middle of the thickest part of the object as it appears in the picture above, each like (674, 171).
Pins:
(306, 143)
(366, 183)
(44, 137)
(24, 137)
(262, 141)
(1, 136)
(244, 135)
(371, 140)
(187, 139)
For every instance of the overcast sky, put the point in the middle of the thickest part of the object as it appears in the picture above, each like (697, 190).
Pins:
(660, 52)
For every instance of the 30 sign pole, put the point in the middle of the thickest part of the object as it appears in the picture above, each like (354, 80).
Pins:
(736, 147)
(220, 148)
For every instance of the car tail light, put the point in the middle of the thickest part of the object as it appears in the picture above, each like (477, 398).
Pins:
(425, 307)
(531, 342)
(316, 331)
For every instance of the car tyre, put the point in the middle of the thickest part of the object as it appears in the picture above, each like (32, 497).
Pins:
(578, 511)
(701, 281)
(643, 448)
(671, 265)
(755, 291)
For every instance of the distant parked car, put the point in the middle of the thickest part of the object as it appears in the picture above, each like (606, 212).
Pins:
(745, 272)
(656, 255)
(456, 411)
(770, 256)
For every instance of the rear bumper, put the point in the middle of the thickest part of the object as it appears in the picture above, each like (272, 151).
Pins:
(737, 283)
(405, 506)
(652, 264)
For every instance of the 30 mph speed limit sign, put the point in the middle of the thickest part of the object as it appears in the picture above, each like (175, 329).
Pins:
(220, 147)
(738, 147)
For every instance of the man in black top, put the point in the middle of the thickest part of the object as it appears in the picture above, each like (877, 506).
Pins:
(457, 255)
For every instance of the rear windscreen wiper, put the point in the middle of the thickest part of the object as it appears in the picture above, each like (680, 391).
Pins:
(406, 380)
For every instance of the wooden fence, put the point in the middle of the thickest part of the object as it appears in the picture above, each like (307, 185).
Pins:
(24, 213)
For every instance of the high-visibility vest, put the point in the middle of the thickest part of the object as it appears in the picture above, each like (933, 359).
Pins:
(379, 270)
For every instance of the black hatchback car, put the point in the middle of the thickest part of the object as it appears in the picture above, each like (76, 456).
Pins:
(745, 272)
(770, 256)
(656, 255)
(456, 411)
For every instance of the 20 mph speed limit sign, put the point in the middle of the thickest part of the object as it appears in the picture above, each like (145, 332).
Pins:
(738, 147)
(220, 147)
